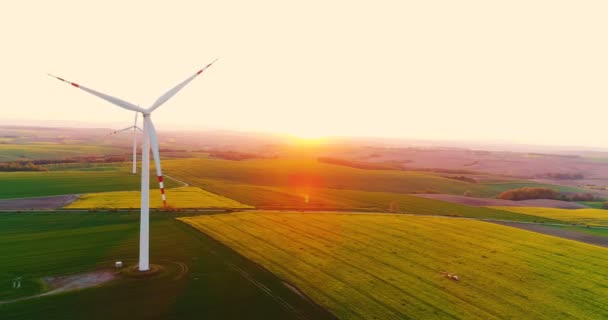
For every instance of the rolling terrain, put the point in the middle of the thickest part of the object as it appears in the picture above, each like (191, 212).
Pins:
(364, 266)
(177, 198)
(38, 184)
(308, 184)
(14, 152)
(593, 217)
(204, 280)
(486, 202)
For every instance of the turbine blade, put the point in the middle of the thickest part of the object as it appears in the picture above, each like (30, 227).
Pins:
(156, 155)
(135, 123)
(121, 130)
(169, 94)
(113, 100)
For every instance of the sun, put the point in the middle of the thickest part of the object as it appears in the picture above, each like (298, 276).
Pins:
(308, 135)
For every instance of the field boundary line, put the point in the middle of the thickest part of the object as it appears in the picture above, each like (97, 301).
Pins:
(185, 184)
(251, 279)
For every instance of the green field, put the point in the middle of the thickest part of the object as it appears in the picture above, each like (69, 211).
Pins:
(277, 188)
(218, 284)
(339, 199)
(51, 151)
(602, 232)
(594, 217)
(306, 174)
(301, 176)
(593, 204)
(182, 197)
(84, 166)
(38, 184)
(371, 266)
(496, 188)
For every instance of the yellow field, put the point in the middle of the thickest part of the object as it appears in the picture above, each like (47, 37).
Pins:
(594, 217)
(382, 266)
(184, 197)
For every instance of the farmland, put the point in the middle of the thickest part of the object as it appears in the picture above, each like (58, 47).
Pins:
(303, 174)
(51, 151)
(307, 174)
(294, 184)
(37, 184)
(594, 217)
(183, 197)
(364, 266)
(37, 245)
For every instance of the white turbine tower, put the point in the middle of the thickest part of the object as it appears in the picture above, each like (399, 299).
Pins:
(149, 137)
(135, 128)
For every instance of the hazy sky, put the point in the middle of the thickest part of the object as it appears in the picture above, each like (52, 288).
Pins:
(518, 71)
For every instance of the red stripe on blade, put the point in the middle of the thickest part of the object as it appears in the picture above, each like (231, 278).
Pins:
(160, 178)
(75, 85)
(200, 71)
(162, 190)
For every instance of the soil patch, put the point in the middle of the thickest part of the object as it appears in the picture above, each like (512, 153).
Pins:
(39, 203)
(79, 281)
(557, 232)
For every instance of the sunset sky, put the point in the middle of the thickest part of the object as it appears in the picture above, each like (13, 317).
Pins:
(511, 71)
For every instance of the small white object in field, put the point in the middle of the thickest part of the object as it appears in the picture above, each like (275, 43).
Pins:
(118, 264)
(450, 276)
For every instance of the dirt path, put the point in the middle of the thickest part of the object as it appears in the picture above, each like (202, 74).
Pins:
(72, 282)
(37, 203)
(557, 232)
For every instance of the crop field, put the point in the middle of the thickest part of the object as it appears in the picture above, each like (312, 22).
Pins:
(316, 198)
(592, 204)
(182, 197)
(113, 166)
(38, 184)
(602, 232)
(497, 188)
(381, 266)
(217, 282)
(302, 175)
(593, 217)
(339, 199)
(50, 151)
(488, 202)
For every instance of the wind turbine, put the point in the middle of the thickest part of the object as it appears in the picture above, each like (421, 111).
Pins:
(149, 137)
(135, 128)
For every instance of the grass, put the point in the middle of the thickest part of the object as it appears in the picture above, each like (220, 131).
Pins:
(13, 152)
(593, 204)
(103, 166)
(255, 176)
(497, 188)
(603, 232)
(219, 284)
(305, 174)
(183, 197)
(370, 266)
(340, 199)
(594, 217)
(332, 199)
(38, 184)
